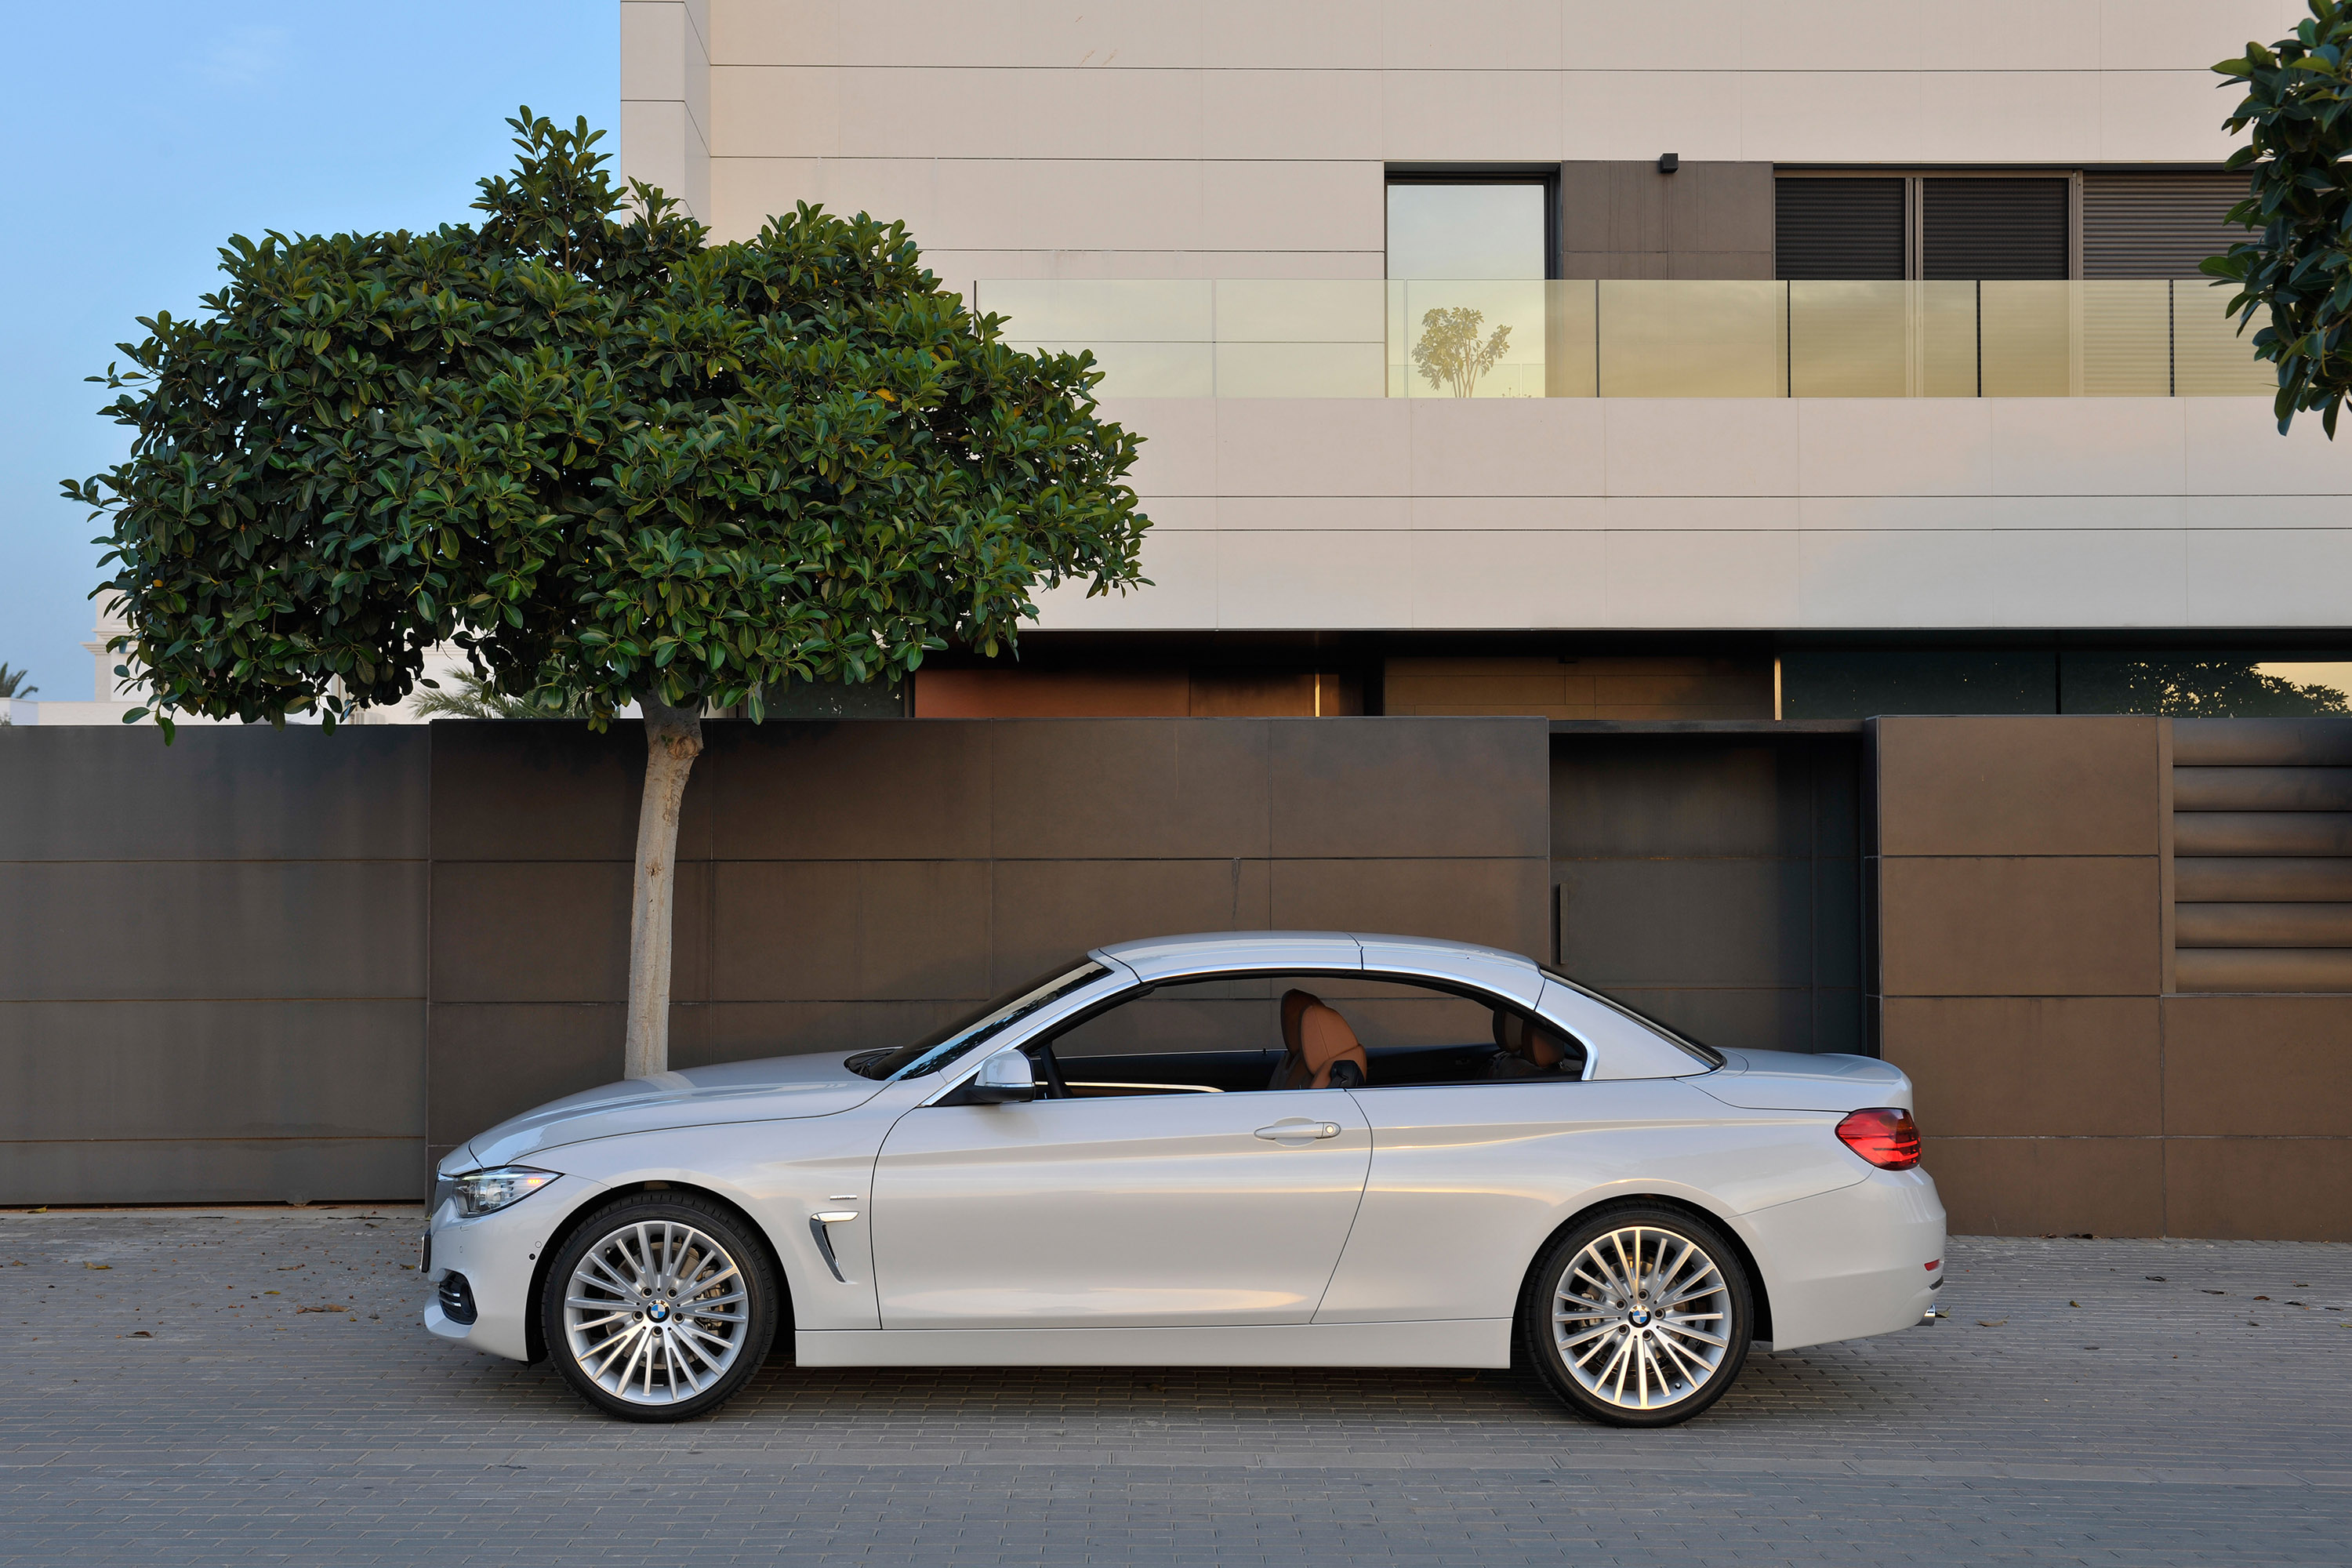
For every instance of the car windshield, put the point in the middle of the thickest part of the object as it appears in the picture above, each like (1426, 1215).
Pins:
(942, 1046)
(1706, 1054)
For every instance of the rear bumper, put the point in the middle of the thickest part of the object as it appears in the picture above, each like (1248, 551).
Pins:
(1854, 1262)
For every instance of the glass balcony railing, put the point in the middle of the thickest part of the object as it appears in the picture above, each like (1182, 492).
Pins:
(1486, 338)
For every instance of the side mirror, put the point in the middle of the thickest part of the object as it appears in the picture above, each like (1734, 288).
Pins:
(1004, 1078)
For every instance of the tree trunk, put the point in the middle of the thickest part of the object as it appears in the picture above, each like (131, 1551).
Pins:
(673, 739)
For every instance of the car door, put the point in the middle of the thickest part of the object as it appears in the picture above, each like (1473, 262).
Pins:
(1180, 1209)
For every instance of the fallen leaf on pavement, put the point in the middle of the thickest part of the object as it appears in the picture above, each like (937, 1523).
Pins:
(1991, 1323)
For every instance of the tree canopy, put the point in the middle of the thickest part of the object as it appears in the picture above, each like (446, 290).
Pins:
(610, 460)
(2298, 268)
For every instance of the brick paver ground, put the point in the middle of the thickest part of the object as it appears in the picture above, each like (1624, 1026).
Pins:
(176, 1394)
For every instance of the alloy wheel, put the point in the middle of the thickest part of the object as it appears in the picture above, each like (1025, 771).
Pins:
(655, 1312)
(1642, 1318)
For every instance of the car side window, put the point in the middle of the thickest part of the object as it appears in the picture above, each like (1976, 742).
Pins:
(1303, 1032)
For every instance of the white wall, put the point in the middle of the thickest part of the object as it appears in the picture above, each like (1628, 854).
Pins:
(1811, 513)
(1247, 138)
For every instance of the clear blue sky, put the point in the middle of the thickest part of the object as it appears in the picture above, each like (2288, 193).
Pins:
(149, 130)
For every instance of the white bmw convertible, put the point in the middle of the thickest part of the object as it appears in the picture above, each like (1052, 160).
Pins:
(1274, 1148)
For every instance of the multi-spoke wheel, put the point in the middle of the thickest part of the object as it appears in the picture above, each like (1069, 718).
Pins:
(1638, 1316)
(658, 1308)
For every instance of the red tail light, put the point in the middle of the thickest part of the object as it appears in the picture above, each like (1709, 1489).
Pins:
(1885, 1137)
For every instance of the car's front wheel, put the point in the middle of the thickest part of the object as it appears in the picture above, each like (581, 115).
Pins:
(659, 1307)
(1638, 1316)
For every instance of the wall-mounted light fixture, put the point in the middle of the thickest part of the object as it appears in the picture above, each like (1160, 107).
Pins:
(1669, 162)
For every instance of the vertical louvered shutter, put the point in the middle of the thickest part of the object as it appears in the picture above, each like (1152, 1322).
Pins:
(2156, 225)
(1837, 228)
(1993, 229)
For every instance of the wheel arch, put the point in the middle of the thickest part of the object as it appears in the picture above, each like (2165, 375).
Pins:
(1759, 1288)
(535, 1337)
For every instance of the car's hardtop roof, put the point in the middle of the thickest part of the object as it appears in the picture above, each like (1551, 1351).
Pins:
(1276, 948)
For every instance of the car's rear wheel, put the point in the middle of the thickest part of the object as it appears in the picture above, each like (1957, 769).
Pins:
(1638, 1316)
(659, 1307)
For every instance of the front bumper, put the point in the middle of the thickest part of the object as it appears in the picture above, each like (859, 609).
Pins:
(498, 1253)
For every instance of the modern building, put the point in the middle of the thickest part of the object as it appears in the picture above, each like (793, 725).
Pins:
(1598, 361)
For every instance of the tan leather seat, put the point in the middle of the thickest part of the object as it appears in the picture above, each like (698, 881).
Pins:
(1319, 1051)
(1528, 1049)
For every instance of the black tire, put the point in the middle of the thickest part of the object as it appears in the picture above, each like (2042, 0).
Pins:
(1592, 1323)
(625, 1341)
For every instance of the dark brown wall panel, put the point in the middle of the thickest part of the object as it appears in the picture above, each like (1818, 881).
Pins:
(1497, 902)
(2282, 1189)
(2038, 926)
(2262, 833)
(534, 930)
(2038, 1186)
(2011, 1066)
(2017, 785)
(1748, 1018)
(879, 789)
(1474, 787)
(214, 1171)
(119, 793)
(1043, 912)
(2258, 1066)
(191, 1070)
(493, 1060)
(1625, 219)
(2261, 742)
(2228, 878)
(745, 1031)
(1120, 789)
(2262, 969)
(2263, 925)
(869, 930)
(1691, 923)
(546, 789)
(109, 931)
(2261, 789)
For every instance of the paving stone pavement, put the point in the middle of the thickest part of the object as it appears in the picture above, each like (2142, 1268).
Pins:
(253, 1386)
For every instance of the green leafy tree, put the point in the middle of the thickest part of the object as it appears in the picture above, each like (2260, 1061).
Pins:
(2205, 689)
(2298, 268)
(470, 696)
(609, 460)
(11, 683)
(1449, 352)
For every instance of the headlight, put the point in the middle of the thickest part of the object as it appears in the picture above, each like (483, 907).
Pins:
(486, 1192)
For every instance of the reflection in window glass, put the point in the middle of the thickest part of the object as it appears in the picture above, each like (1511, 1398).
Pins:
(2220, 685)
(1490, 230)
(1466, 301)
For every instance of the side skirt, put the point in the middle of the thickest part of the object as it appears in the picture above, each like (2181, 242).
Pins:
(1477, 1342)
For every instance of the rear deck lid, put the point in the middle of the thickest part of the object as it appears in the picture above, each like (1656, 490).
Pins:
(1788, 1080)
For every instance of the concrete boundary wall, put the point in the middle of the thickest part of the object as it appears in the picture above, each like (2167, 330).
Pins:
(2023, 869)
(212, 963)
(262, 965)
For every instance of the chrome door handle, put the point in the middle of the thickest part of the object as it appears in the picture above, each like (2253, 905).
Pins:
(1298, 1131)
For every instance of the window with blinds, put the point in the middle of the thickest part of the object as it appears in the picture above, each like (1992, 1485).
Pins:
(2157, 224)
(1838, 228)
(1993, 229)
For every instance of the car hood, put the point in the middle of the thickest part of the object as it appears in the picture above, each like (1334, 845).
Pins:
(1788, 1080)
(774, 1089)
